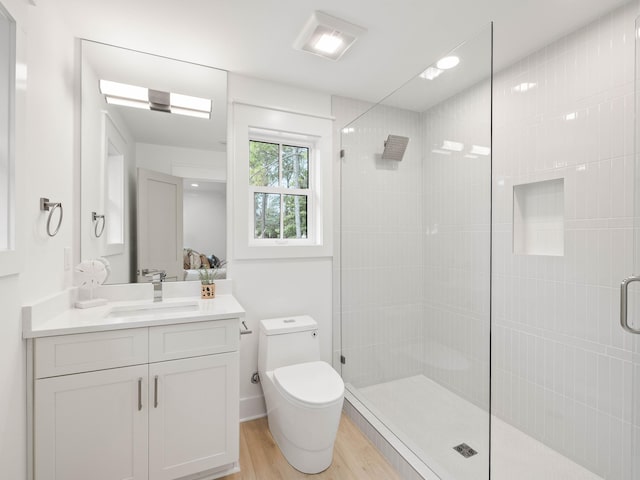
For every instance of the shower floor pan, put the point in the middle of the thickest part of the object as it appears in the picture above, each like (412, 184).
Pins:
(432, 420)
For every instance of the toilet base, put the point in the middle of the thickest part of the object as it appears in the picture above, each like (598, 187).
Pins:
(305, 461)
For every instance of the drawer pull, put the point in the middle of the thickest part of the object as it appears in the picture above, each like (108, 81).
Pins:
(139, 393)
(155, 391)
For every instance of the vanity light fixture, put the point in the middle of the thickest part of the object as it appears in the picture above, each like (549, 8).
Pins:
(327, 36)
(116, 93)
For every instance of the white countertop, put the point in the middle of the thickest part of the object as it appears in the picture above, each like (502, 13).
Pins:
(128, 314)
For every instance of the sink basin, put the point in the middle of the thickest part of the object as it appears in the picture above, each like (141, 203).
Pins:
(154, 310)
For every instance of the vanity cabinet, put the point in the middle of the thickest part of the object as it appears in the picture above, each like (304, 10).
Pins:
(155, 403)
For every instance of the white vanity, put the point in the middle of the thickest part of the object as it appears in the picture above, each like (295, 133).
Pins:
(133, 389)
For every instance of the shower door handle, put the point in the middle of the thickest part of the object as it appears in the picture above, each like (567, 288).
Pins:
(624, 286)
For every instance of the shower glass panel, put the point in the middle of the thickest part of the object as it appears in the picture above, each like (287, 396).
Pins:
(415, 256)
(632, 394)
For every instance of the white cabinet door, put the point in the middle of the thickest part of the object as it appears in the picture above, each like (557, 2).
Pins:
(193, 416)
(92, 425)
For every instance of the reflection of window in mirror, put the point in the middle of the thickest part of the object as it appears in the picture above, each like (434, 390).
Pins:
(7, 126)
(114, 174)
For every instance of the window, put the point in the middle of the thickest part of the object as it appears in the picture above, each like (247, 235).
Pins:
(115, 196)
(114, 177)
(279, 186)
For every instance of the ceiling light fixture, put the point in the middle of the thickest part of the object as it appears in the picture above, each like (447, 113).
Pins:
(431, 73)
(448, 62)
(116, 93)
(327, 36)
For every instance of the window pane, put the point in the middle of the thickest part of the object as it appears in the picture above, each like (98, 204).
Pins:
(295, 167)
(267, 215)
(264, 164)
(295, 216)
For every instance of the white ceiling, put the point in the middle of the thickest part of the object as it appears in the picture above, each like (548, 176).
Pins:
(255, 37)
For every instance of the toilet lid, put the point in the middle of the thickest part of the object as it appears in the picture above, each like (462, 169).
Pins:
(314, 383)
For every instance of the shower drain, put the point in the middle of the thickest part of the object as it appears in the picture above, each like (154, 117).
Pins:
(465, 450)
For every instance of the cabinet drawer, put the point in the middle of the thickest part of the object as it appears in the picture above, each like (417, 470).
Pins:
(193, 339)
(85, 352)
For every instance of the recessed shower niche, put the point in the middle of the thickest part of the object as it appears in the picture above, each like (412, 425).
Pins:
(538, 218)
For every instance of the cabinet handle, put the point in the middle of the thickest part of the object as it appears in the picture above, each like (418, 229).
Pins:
(139, 393)
(155, 391)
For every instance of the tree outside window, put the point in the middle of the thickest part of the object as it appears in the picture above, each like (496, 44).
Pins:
(279, 180)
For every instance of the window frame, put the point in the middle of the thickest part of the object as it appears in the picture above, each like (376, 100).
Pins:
(113, 139)
(10, 259)
(285, 140)
(249, 120)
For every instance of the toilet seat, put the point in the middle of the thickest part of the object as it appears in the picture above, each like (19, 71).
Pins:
(314, 384)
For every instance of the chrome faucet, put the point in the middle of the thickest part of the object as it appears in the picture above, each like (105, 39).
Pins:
(156, 277)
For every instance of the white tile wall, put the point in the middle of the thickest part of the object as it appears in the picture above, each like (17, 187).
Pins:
(381, 248)
(561, 364)
(457, 216)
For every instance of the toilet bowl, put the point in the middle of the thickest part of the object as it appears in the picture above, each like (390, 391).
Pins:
(303, 394)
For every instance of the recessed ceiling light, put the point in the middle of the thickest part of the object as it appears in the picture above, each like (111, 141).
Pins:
(448, 62)
(125, 95)
(195, 185)
(328, 43)
(431, 73)
(327, 36)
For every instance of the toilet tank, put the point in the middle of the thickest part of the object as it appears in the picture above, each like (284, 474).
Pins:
(287, 341)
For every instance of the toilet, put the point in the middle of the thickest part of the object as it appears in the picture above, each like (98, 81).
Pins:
(303, 394)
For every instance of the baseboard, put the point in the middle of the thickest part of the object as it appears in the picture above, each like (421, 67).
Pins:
(252, 408)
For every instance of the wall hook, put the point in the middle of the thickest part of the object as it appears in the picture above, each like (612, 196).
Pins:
(47, 206)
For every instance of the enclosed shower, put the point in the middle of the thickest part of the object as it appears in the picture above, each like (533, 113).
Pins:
(480, 270)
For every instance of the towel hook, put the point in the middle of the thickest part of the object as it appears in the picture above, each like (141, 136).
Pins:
(47, 206)
(96, 218)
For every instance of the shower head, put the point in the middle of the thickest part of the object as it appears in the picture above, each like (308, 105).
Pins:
(394, 147)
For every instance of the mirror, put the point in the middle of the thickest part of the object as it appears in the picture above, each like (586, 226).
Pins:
(145, 119)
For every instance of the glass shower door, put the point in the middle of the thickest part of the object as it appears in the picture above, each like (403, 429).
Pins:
(630, 307)
(415, 261)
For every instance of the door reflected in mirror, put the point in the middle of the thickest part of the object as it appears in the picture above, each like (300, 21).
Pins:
(162, 122)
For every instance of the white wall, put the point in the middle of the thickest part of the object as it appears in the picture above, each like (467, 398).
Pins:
(277, 287)
(205, 221)
(46, 168)
(182, 162)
